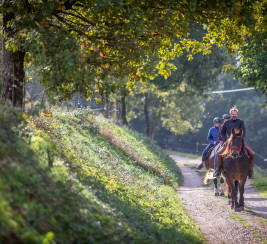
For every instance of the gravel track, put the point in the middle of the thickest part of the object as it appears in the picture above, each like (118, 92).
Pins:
(214, 216)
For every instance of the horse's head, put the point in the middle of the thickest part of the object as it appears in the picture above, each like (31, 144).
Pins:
(236, 143)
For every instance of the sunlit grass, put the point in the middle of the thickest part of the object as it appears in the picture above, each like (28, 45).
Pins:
(75, 182)
(260, 181)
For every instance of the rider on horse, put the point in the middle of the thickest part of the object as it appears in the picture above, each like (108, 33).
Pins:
(225, 117)
(236, 123)
(212, 139)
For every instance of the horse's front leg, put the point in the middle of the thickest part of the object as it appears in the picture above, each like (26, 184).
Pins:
(234, 194)
(215, 182)
(241, 190)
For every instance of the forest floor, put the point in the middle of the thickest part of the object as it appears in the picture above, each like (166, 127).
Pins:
(214, 216)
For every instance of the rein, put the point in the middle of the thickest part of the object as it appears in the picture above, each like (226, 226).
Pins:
(238, 148)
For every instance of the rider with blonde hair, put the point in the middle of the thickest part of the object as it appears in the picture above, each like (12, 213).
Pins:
(225, 132)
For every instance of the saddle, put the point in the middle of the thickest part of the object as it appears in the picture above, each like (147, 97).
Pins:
(211, 153)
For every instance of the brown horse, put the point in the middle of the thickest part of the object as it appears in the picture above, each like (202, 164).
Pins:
(209, 164)
(235, 167)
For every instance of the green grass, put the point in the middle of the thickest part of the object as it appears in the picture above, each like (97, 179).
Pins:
(186, 155)
(260, 182)
(238, 218)
(107, 184)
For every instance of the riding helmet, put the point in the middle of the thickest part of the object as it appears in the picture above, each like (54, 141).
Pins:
(217, 120)
(226, 116)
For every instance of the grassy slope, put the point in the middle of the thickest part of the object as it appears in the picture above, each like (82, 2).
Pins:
(108, 184)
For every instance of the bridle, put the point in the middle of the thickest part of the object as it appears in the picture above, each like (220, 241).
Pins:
(239, 148)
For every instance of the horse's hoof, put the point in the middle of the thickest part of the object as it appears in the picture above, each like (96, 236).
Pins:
(241, 206)
(216, 194)
(222, 194)
(238, 209)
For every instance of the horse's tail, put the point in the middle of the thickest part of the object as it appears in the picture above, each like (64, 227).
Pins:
(206, 179)
(208, 176)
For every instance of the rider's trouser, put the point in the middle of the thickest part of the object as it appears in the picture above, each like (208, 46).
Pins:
(216, 156)
(205, 151)
(251, 156)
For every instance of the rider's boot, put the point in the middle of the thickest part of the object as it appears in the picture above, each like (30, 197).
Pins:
(218, 170)
(250, 174)
(200, 166)
(251, 159)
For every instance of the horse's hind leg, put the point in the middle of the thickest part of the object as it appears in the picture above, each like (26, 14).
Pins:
(222, 187)
(228, 191)
(216, 193)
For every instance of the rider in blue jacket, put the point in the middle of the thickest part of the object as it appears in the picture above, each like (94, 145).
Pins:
(212, 139)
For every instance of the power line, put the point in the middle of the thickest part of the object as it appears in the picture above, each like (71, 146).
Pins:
(264, 159)
(233, 90)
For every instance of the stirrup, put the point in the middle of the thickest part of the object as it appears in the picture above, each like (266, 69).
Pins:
(217, 173)
(200, 166)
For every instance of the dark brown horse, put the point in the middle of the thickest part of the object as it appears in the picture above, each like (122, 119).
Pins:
(235, 167)
(209, 164)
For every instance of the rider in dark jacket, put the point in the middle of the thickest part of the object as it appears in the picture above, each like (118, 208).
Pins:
(234, 122)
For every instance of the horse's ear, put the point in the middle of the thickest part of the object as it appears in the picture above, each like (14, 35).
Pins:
(241, 132)
(233, 131)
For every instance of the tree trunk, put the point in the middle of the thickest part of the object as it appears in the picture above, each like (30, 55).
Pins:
(123, 111)
(155, 119)
(118, 109)
(13, 75)
(147, 115)
(107, 108)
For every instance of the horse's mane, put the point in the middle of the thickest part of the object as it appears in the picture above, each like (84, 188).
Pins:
(226, 151)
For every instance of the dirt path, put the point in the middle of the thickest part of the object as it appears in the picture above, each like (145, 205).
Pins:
(216, 220)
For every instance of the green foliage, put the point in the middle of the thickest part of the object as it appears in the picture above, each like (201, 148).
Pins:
(260, 181)
(94, 192)
(45, 147)
(173, 103)
(76, 46)
(251, 65)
